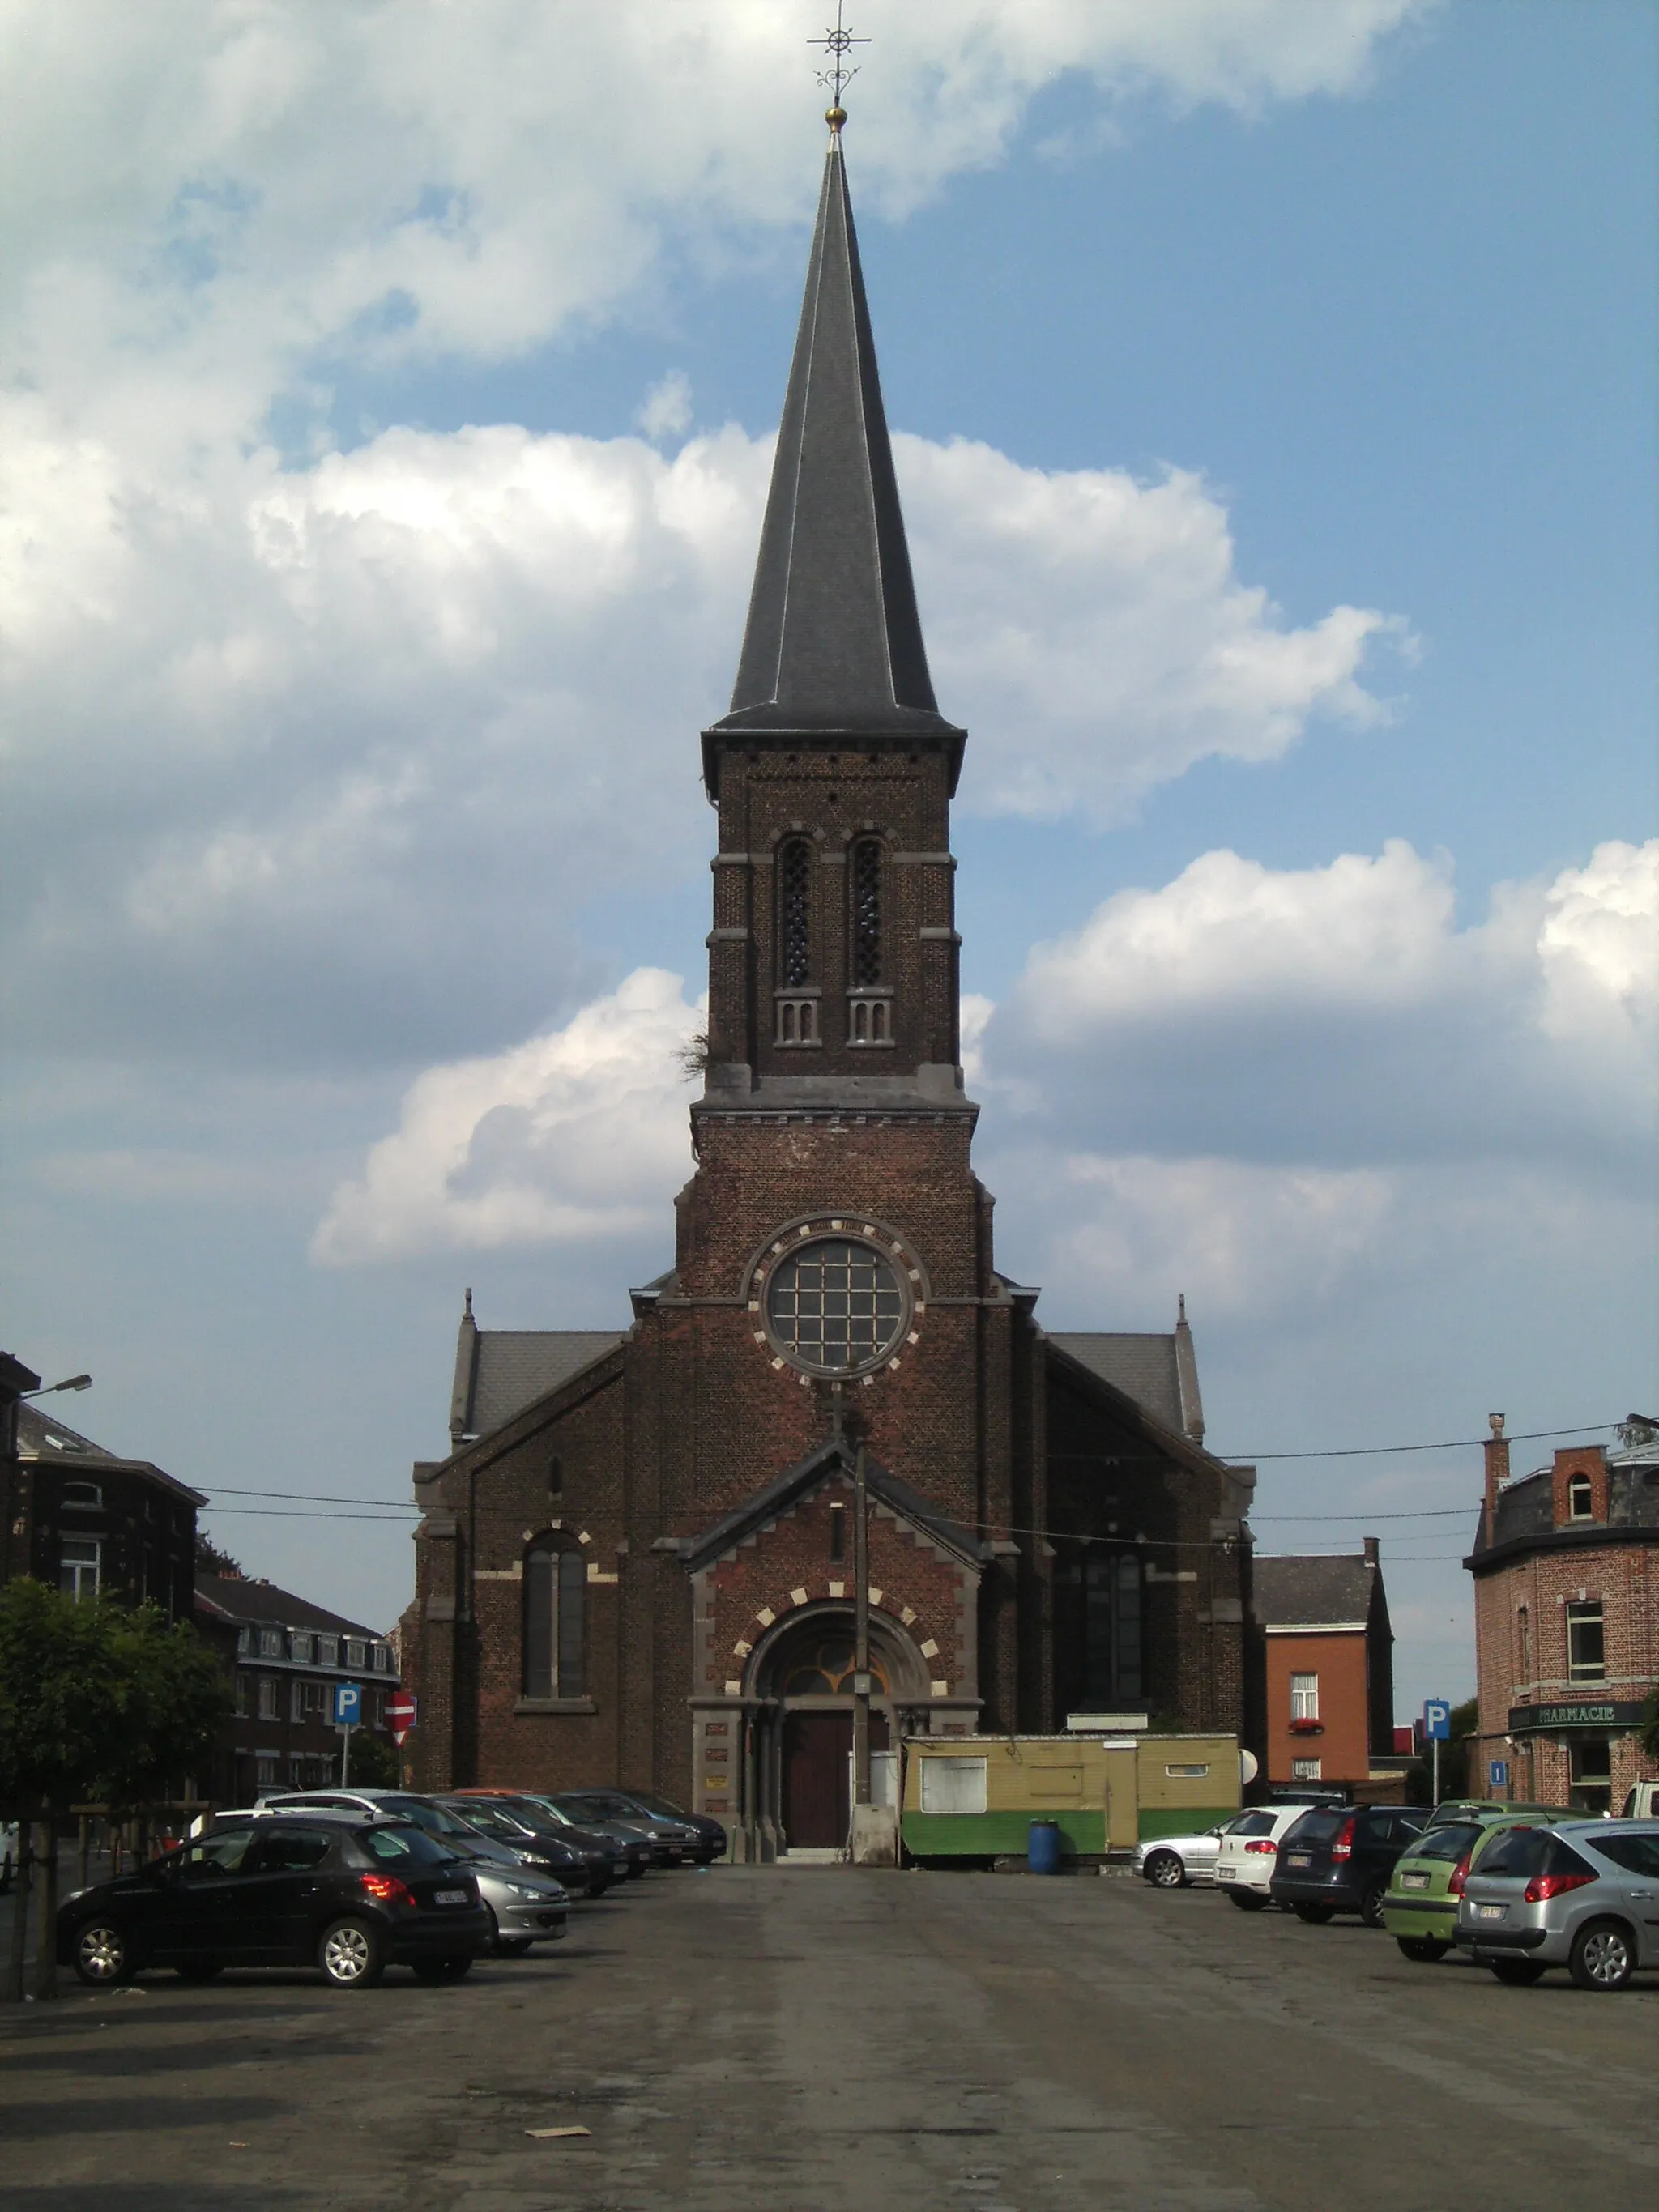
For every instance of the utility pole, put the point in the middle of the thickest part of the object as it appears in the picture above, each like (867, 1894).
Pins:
(860, 1634)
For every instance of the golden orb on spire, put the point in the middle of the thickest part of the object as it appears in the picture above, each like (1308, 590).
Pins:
(836, 116)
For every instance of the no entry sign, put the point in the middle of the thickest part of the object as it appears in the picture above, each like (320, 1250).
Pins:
(400, 1714)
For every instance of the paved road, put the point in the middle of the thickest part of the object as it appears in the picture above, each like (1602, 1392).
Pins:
(802, 2039)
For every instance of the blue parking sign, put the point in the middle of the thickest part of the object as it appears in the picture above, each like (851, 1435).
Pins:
(348, 1704)
(1437, 1720)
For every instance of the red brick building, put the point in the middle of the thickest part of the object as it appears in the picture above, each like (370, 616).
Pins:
(1329, 1662)
(636, 1561)
(1566, 1616)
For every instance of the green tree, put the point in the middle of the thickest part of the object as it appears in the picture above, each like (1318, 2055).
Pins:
(1647, 1735)
(98, 1703)
(375, 1764)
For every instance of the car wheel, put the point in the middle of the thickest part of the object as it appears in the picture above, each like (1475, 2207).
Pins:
(1248, 1900)
(1370, 1906)
(1519, 1973)
(1423, 1950)
(198, 1970)
(1314, 1915)
(1164, 1870)
(1603, 1956)
(512, 1946)
(351, 1954)
(453, 1968)
(103, 1955)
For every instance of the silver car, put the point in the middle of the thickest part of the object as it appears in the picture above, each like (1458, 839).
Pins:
(1167, 1862)
(1583, 1895)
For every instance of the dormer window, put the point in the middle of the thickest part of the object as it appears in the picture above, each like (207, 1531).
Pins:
(1581, 1500)
(82, 1497)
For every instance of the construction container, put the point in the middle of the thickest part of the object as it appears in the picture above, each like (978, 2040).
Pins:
(976, 1797)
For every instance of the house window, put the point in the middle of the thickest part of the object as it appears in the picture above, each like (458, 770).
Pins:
(1586, 1660)
(865, 967)
(78, 1567)
(1581, 1504)
(244, 1692)
(82, 1497)
(795, 914)
(554, 1606)
(264, 1769)
(271, 1642)
(245, 1641)
(304, 1648)
(1306, 1770)
(269, 1691)
(328, 1650)
(953, 1785)
(1524, 1624)
(1111, 1630)
(1304, 1697)
(1589, 1769)
(383, 1658)
(356, 1652)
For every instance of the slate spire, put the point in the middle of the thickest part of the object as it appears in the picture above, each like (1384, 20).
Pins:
(833, 640)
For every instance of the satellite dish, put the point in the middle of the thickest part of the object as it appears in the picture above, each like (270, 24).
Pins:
(1248, 1769)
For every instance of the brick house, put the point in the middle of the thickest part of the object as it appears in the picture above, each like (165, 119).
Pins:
(1566, 1614)
(288, 1655)
(636, 1562)
(1328, 1660)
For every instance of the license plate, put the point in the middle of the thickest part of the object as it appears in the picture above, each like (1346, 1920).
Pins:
(1299, 1858)
(1413, 1881)
(1226, 1874)
(449, 1896)
(1491, 1912)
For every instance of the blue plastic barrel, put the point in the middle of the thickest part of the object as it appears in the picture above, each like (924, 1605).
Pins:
(1043, 1847)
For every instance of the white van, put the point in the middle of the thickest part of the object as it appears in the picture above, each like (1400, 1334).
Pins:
(1641, 1802)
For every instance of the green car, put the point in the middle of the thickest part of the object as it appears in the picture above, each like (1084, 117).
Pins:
(1479, 1810)
(1420, 1910)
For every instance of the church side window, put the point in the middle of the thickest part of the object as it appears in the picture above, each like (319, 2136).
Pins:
(1111, 1593)
(554, 1624)
(867, 964)
(795, 914)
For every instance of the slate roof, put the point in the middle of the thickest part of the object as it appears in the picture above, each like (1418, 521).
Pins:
(247, 1598)
(499, 1371)
(1313, 1590)
(48, 1441)
(1142, 1367)
(833, 639)
(1526, 1504)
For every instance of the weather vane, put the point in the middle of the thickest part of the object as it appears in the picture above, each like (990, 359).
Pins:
(837, 45)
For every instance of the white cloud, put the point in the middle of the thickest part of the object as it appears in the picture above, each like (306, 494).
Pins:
(271, 725)
(577, 1135)
(667, 412)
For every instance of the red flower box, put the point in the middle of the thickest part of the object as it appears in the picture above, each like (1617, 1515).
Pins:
(1307, 1728)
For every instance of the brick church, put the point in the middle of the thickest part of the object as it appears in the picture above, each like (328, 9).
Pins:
(635, 1563)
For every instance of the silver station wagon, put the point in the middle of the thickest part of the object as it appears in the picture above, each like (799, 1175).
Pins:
(1583, 1895)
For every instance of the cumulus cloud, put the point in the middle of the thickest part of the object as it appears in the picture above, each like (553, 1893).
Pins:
(293, 753)
(576, 1135)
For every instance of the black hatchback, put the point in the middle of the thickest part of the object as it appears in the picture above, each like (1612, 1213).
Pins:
(349, 1896)
(1339, 1859)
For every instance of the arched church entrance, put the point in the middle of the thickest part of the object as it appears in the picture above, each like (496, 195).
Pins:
(803, 1677)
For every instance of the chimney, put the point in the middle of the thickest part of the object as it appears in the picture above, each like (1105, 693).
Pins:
(1373, 1552)
(1497, 1461)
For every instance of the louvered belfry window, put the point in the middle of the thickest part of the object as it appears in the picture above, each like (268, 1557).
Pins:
(795, 914)
(866, 913)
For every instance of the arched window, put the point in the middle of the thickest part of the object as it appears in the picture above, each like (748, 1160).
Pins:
(795, 914)
(554, 1624)
(865, 967)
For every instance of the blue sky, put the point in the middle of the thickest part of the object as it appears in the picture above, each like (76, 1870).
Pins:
(335, 772)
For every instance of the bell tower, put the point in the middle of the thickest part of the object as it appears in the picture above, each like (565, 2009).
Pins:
(833, 957)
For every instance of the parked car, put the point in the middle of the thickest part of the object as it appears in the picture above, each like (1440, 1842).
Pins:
(644, 1850)
(1420, 1909)
(630, 1852)
(347, 1895)
(1336, 1859)
(586, 1870)
(1167, 1862)
(675, 1834)
(1641, 1802)
(450, 1827)
(1583, 1894)
(1244, 1861)
(711, 1836)
(1482, 1810)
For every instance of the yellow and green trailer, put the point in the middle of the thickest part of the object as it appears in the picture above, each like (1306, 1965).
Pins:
(976, 1797)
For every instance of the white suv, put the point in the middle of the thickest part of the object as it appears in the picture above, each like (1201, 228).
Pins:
(1249, 1851)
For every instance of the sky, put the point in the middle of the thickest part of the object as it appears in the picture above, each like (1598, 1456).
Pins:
(388, 395)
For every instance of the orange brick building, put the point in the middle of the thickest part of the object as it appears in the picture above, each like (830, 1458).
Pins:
(1566, 1613)
(1329, 1666)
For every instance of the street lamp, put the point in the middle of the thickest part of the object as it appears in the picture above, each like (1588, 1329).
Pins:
(75, 1383)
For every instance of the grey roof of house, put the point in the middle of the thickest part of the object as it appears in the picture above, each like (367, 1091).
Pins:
(499, 1371)
(248, 1598)
(1526, 1503)
(1313, 1590)
(833, 639)
(1145, 1368)
(48, 1441)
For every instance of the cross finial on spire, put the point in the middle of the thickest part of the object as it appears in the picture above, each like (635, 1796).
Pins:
(837, 44)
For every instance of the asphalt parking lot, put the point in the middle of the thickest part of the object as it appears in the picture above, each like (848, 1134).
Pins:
(803, 2039)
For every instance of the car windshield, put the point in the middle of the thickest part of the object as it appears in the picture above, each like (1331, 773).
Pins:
(579, 1810)
(1316, 1827)
(492, 1822)
(220, 1853)
(608, 1806)
(1449, 1843)
(652, 1803)
(401, 1846)
(1255, 1824)
(435, 1819)
(1637, 1854)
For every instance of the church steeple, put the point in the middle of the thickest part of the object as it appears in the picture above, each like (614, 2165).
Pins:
(833, 640)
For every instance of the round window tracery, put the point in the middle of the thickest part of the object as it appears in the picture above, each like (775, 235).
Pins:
(836, 1305)
(827, 1669)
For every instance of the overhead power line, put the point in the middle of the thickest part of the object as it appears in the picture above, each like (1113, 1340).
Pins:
(1454, 1443)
